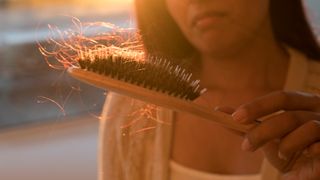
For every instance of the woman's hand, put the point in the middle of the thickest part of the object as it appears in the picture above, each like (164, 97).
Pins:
(289, 132)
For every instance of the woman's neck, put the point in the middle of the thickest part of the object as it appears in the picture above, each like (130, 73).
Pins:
(260, 66)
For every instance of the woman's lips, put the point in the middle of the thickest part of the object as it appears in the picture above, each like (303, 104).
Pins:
(207, 20)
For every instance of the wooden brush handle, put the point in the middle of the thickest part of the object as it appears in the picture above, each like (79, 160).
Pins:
(156, 98)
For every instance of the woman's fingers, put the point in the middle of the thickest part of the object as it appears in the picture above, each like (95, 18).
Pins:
(295, 137)
(300, 139)
(277, 127)
(289, 127)
(274, 102)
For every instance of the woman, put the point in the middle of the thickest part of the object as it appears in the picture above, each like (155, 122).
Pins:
(255, 59)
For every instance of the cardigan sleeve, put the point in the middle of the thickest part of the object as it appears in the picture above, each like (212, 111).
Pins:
(134, 140)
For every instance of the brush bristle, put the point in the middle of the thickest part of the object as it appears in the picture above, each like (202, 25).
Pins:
(155, 74)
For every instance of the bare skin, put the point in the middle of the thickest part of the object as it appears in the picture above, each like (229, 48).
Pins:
(215, 149)
(241, 62)
(203, 145)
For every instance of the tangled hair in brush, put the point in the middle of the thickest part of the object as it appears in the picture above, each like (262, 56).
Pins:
(161, 35)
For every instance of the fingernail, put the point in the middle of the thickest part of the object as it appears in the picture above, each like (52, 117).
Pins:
(281, 156)
(246, 145)
(240, 115)
(216, 108)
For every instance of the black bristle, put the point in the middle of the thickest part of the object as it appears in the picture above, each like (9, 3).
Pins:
(155, 74)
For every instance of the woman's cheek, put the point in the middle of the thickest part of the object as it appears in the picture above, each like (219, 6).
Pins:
(228, 34)
(178, 11)
(241, 27)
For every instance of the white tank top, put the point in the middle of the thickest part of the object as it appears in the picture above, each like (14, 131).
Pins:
(180, 172)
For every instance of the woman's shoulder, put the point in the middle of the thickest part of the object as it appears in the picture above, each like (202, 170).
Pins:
(313, 77)
(314, 66)
(304, 70)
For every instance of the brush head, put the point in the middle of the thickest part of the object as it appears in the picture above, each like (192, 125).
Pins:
(152, 73)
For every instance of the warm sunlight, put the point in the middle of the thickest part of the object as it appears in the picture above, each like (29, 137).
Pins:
(118, 1)
(87, 3)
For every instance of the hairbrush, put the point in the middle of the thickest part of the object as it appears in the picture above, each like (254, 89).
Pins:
(151, 79)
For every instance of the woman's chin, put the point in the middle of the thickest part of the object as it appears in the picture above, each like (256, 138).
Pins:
(215, 48)
(217, 45)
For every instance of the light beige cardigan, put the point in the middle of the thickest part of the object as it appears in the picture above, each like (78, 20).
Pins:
(128, 154)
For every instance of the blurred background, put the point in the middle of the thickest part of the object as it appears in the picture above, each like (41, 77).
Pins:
(48, 129)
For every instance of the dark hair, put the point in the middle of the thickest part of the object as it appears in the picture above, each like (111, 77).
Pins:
(162, 36)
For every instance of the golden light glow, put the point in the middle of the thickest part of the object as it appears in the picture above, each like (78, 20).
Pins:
(78, 3)
(65, 48)
(118, 1)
